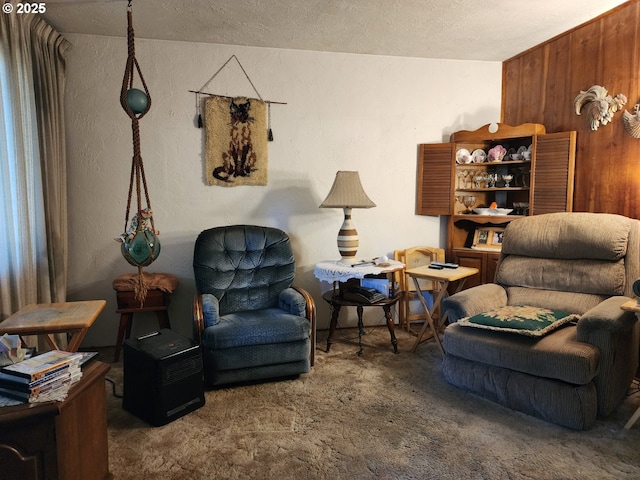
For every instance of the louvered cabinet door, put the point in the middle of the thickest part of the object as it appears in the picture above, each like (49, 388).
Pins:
(434, 180)
(552, 178)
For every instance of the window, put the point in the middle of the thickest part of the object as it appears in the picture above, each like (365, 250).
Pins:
(21, 204)
(33, 240)
(7, 174)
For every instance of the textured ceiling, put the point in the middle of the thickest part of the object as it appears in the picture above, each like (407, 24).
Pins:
(493, 30)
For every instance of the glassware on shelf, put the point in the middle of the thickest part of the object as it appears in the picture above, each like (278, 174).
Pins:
(520, 208)
(465, 176)
(516, 177)
(507, 178)
(479, 179)
(493, 179)
(516, 208)
(523, 172)
(468, 201)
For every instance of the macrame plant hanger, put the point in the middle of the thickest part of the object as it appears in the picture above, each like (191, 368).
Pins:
(140, 245)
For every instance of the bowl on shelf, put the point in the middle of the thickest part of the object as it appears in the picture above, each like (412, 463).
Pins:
(503, 211)
(492, 211)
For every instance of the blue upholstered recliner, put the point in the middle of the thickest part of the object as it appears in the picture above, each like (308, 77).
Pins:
(250, 321)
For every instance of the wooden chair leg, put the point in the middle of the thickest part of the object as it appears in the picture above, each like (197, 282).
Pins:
(126, 319)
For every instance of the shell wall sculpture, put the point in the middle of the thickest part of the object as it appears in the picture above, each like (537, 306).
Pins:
(598, 105)
(632, 121)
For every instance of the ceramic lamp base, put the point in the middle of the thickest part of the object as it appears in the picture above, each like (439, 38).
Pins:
(348, 239)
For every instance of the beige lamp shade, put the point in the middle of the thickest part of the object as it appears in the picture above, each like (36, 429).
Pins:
(347, 193)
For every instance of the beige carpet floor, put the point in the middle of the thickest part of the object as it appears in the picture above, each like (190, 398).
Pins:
(375, 416)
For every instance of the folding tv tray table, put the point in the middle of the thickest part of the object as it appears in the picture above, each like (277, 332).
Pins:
(442, 278)
(72, 318)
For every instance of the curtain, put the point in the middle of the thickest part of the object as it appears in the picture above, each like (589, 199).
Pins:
(33, 191)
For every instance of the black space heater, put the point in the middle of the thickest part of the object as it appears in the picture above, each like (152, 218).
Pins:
(162, 377)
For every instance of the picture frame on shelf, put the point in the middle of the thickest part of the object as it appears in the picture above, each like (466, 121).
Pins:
(488, 238)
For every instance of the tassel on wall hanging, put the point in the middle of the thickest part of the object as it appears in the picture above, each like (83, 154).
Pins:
(140, 244)
(237, 130)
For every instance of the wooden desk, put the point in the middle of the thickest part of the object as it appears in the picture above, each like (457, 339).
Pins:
(59, 440)
(72, 318)
(442, 278)
(632, 306)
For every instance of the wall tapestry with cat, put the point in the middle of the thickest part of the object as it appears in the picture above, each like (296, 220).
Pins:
(235, 141)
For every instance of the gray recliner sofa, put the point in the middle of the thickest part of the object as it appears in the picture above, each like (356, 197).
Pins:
(581, 263)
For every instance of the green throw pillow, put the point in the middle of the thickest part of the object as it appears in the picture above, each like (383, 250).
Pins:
(522, 319)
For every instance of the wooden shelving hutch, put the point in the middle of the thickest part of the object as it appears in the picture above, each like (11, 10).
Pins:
(543, 183)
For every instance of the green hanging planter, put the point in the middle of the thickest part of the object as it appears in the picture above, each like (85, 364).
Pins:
(142, 249)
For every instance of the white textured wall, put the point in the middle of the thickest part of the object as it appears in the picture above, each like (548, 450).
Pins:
(343, 112)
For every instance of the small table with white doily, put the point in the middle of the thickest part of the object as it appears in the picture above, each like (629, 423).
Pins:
(338, 274)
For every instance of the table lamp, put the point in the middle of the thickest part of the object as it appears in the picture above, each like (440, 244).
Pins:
(347, 193)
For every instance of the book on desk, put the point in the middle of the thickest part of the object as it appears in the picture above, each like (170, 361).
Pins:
(41, 378)
(40, 366)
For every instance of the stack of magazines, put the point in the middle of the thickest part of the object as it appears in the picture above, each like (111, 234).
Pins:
(41, 378)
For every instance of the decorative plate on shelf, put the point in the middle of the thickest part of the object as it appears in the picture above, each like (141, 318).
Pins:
(463, 156)
(497, 153)
(479, 156)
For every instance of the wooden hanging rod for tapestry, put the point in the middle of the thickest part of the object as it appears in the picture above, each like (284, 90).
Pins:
(197, 92)
(232, 57)
(201, 92)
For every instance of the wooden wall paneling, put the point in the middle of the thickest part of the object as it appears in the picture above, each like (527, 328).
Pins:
(600, 193)
(620, 33)
(556, 110)
(534, 73)
(526, 74)
(584, 71)
(510, 87)
(630, 172)
(604, 51)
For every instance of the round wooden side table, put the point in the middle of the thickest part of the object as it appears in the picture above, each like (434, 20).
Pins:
(332, 297)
